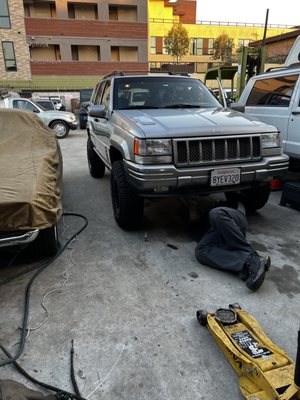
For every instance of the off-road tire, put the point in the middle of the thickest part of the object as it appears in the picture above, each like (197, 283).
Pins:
(253, 199)
(128, 208)
(60, 128)
(96, 166)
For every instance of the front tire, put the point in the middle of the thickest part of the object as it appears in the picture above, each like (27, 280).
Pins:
(47, 243)
(253, 199)
(60, 128)
(96, 166)
(128, 208)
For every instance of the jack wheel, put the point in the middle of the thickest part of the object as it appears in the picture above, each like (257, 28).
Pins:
(202, 317)
(235, 305)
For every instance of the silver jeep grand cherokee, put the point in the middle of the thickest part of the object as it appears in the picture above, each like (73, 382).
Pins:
(168, 136)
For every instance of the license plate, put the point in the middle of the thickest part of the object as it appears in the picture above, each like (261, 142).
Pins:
(225, 176)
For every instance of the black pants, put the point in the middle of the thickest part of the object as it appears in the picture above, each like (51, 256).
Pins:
(225, 246)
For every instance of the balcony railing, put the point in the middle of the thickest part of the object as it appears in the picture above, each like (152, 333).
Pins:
(223, 23)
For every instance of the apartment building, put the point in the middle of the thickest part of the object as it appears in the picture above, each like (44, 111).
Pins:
(14, 51)
(54, 40)
(162, 14)
(82, 37)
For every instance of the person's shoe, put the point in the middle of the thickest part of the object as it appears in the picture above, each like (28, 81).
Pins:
(257, 267)
(267, 261)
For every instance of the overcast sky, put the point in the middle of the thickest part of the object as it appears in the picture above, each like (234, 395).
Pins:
(282, 13)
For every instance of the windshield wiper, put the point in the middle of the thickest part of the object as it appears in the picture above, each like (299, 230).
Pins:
(183, 105)
(138, 107)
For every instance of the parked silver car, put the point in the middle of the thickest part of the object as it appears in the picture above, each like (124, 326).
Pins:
(176, 140)
(60, 121)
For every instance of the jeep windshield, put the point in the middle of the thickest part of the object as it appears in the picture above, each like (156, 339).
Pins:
(152, 92)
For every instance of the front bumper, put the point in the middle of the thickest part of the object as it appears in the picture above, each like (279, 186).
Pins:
(163, 180)
(73, 125)
(15, 238)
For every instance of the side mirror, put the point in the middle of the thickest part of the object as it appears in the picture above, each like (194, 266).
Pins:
(36, 110)
(97, 111)
(237, 107)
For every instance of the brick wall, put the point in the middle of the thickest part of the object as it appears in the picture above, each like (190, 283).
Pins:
(279, 49)
(18, 36)
(74, 68)
(72, 28)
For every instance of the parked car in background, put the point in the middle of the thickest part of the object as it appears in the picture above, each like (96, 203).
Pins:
(47, 104)
(60, 121)
(168, 136)
(30, 184)
(274, 98)
(55, 100)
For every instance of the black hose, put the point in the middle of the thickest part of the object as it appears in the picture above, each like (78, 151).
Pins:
(28, 288)
(73, 379)
(42, 384)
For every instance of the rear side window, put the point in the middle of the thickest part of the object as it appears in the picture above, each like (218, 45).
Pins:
(97, 93)
(272, 92)
(24, 105)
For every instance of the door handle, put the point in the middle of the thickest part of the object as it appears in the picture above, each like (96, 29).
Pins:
(295, 112)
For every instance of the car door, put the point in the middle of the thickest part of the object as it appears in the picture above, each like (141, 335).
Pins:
(23, 104)
(270, 100)
(293, 134)
(99, 126)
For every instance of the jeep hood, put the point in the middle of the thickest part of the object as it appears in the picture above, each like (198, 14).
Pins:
(182, 122)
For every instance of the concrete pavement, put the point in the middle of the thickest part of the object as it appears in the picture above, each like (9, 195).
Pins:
(130, 304)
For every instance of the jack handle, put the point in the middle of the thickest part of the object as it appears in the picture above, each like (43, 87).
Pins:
(297, 366)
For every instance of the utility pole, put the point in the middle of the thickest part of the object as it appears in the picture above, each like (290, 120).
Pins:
(266, 27)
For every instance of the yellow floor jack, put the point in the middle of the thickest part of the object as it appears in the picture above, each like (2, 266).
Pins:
(265, 371)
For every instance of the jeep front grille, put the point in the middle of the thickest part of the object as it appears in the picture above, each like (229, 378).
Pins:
(216, 150)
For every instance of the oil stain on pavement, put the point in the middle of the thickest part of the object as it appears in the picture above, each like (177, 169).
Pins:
(286, 280)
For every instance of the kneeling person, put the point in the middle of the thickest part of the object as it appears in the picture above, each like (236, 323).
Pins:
(224, 246)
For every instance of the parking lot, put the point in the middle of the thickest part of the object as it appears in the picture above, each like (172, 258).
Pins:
(128, 299)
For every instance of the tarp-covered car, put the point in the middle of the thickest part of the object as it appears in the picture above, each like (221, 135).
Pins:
(30, 182)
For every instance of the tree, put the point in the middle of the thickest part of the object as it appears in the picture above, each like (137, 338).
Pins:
(177, 41)
(222, 49)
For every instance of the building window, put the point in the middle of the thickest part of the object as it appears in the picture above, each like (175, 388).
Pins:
(153, 45)
(124, 53)
(9, 56)
(164, 49)
(196, 47)
(210, 48)
(243, 42)
(85, 53)
(45, 52)
(4, 14)
(122, 13)
(75, 53)
(201, 47)
(82, 11)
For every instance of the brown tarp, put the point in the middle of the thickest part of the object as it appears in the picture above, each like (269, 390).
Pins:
(30, 172)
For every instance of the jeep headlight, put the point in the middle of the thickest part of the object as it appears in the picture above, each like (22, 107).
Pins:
(271, 144)
(148, 151)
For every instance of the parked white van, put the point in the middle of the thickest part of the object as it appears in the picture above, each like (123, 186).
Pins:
(274, 98)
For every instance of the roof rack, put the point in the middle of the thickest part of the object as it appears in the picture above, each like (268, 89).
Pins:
(118, 73)
(285, 67)
(179, 73)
